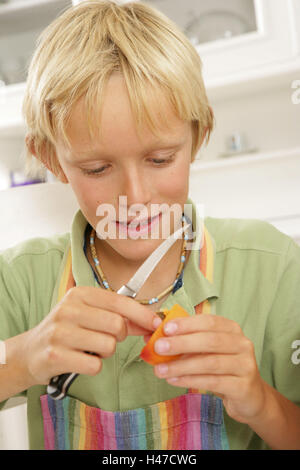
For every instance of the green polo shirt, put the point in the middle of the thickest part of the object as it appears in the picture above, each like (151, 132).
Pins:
(256, 283)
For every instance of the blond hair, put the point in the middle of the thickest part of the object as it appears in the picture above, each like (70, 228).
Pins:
(77, 53)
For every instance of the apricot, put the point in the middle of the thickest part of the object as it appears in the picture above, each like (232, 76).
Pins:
(148, 354)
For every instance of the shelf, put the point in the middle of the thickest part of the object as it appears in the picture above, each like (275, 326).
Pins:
(261, 79)
(25, 15)
(246, 159)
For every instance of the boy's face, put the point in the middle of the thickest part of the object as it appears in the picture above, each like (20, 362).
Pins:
(130, 167)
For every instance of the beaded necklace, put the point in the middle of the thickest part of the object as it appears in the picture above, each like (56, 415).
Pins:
(153, 300)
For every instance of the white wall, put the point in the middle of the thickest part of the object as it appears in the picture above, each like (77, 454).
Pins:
(13, 427)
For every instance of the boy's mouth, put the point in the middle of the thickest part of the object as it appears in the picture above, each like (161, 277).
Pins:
(138, 225)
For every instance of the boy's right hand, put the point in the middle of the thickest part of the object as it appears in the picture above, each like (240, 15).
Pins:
(86, 319)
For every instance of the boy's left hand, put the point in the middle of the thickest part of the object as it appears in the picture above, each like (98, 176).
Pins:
(217, 357)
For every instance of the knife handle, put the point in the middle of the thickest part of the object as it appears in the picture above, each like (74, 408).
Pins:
(60, 384)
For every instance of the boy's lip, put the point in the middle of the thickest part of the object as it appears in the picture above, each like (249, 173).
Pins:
(137, 221)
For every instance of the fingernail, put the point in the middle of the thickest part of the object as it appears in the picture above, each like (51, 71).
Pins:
(172, 379)
(156, 322)
(170, 328)
(162, 369)
(161, 346)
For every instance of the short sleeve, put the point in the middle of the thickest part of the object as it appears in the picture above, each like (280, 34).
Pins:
(14, 304)
(14, 300)
(279, 365)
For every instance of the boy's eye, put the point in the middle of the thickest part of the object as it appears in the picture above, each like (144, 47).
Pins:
(159, 161)
(97, 171)
(94, 172)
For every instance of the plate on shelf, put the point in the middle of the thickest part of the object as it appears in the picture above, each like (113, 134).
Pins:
(215, 25)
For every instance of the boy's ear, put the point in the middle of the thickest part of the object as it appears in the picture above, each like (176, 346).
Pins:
(44, 158)
(206, 128)
(193, 156)
(203, 137)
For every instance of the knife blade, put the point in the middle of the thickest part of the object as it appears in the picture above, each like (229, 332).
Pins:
(140, 277)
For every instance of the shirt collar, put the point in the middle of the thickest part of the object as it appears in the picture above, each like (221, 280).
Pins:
(82, 271)
(196, 287)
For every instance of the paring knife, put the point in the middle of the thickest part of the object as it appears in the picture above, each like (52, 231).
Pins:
(60, 384)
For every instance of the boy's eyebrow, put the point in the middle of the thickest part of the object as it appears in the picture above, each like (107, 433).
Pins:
(165, 146)
(157, 146)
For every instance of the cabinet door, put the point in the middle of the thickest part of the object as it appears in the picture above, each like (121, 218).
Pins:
(21, 22)
(275, 42)
(237, 36)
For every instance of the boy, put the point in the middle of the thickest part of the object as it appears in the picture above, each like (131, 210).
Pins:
(115, 106)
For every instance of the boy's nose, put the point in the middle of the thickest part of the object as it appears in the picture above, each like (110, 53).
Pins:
(137, 187)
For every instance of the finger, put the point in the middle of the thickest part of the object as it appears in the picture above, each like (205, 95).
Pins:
(75, 338)
(137, 313)
(201, 342)
(204, 322)
(99, 320)
(203, 364)
(64, 361)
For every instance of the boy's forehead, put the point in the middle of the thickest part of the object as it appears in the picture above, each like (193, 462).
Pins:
(170, 130)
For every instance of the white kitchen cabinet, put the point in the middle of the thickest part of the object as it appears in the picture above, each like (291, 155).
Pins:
(265, 52)
(267, 45)
(275, 42)
(21, 22)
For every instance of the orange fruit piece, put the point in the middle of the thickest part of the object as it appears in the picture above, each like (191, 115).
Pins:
(148, 354)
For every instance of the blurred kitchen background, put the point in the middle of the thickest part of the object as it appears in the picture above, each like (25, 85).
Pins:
(250, 51)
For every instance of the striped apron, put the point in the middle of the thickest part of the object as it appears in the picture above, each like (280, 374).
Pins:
(193, 421)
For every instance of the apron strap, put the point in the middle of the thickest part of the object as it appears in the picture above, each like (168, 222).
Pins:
(67, 280)
(206, 266)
